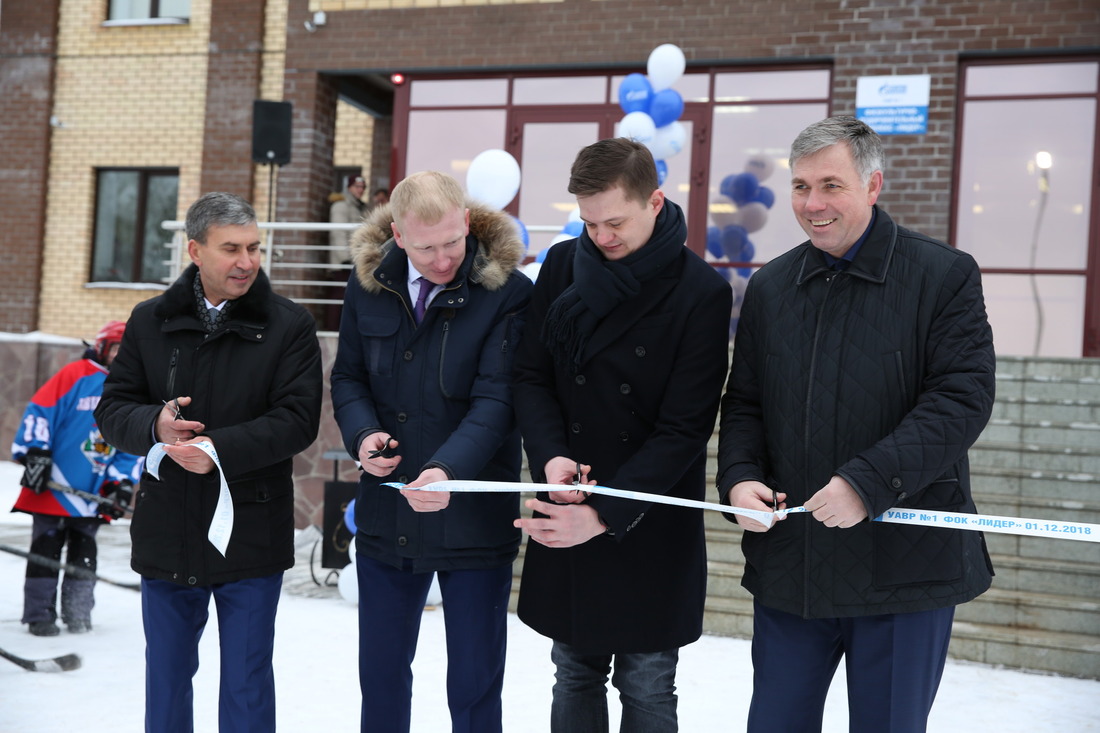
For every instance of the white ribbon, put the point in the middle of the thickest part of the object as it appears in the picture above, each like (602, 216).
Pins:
(1056, 529)
(221, 526)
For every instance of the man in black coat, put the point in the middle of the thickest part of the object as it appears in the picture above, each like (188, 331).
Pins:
(618, 379)
(225, 377)
(863, 370)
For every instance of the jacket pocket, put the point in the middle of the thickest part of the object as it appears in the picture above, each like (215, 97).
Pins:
(379, 342)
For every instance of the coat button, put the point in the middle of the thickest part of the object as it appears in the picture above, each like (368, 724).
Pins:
(624, 388)
(895, 482)
(408, 356)
(639, 351)
(402, 417)
(192, 580)
(624, 437)
(579, 379)
(402, 541)
(575, 427)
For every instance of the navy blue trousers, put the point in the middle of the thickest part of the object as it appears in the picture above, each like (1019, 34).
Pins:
(893, 664)
(174, 617)
(475, 613)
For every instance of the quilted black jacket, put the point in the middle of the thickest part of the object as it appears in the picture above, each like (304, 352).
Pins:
(882, 374)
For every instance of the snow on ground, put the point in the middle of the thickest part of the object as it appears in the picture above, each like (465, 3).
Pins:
(316, 677)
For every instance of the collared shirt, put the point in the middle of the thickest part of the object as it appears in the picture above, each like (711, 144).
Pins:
(841, 263)
(414, 286)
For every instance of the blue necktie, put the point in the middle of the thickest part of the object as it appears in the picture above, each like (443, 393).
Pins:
(422, 298)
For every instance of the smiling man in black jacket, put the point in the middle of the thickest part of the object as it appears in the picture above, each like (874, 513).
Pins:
(862, 372)
(219, 359)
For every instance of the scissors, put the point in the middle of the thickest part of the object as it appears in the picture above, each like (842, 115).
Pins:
(175, 406)
(577, 481)
(386, 451)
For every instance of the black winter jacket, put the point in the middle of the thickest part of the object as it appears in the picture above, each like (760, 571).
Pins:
(256, 385)
(882, 374)
(640, 411)
(442, 388)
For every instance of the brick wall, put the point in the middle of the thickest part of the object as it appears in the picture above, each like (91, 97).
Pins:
(27, 47)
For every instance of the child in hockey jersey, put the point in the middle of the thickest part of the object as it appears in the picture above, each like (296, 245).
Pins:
(72, 483)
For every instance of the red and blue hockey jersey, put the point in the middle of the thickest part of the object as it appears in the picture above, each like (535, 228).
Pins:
(60, 418)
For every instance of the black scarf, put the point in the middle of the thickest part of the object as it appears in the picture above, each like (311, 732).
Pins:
(600, 284)
(209, 324)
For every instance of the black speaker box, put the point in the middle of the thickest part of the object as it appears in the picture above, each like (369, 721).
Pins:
(271, 132)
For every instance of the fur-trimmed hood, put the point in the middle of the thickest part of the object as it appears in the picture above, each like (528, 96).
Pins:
(499, 252)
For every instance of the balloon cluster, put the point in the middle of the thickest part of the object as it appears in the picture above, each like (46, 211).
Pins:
(652, 107)
(740, 210)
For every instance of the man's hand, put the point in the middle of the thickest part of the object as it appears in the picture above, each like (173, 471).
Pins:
(37, 468)
(562, 470)
(191, 459)
(378, 465)
(837, 504)
(564, 525)
(121, 494)
(755, 495)
(171, 427)
(427, 501)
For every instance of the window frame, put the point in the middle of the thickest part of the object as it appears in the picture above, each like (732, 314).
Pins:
(140, 214)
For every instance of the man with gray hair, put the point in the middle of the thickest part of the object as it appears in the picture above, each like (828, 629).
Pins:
(863, 370)
(224, 376)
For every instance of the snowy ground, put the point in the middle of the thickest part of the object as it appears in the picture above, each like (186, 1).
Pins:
(315, 667)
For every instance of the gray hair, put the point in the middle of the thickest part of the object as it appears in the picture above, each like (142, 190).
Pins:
(863, 142)
(217, 209)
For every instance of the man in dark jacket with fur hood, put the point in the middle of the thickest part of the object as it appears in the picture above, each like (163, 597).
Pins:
(862, 372)
(422, 391)
(218, 361)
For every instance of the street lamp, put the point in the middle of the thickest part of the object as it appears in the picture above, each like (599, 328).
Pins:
(1043, 161)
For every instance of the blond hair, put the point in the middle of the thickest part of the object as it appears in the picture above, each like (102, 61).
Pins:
(428, 196)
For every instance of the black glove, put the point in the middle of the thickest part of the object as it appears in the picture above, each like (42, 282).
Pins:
(37, 468)
(121, 493)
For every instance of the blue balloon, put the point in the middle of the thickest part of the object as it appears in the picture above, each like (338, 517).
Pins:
(714, 242)
(666, 107)
(541, 256)
(635, 92)
(764, 195)
(662, 172)
(573, 228)
(349, 516)
(740, 187)
(748, 251)
(734, 237)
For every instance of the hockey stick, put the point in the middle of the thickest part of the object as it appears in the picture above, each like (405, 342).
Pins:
(69, 569)
(64, 663)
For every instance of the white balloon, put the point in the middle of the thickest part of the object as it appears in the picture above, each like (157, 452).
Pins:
(638, 126)
(760, 166)
(575, 214)
(493, 177)
(723, 212)
(348, 584)
(531, 270)
(563, 237)
(753, 216)
(665, 66)
(668, 141)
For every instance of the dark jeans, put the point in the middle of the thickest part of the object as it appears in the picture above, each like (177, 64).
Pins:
(893, 664)
(646, 685)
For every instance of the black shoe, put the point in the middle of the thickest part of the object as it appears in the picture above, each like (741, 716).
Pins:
(79, 627)
(43, 628)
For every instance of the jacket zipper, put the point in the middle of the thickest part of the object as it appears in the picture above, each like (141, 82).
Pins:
(443, 356)
(172, 373)
(806, 438)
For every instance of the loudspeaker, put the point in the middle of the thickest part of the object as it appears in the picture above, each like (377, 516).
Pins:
(271, 132)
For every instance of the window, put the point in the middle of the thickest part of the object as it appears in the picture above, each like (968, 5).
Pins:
(166, 10)
(130, 245)
(1024, 200)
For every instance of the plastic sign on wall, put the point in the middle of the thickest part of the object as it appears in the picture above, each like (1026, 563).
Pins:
(894, 105)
